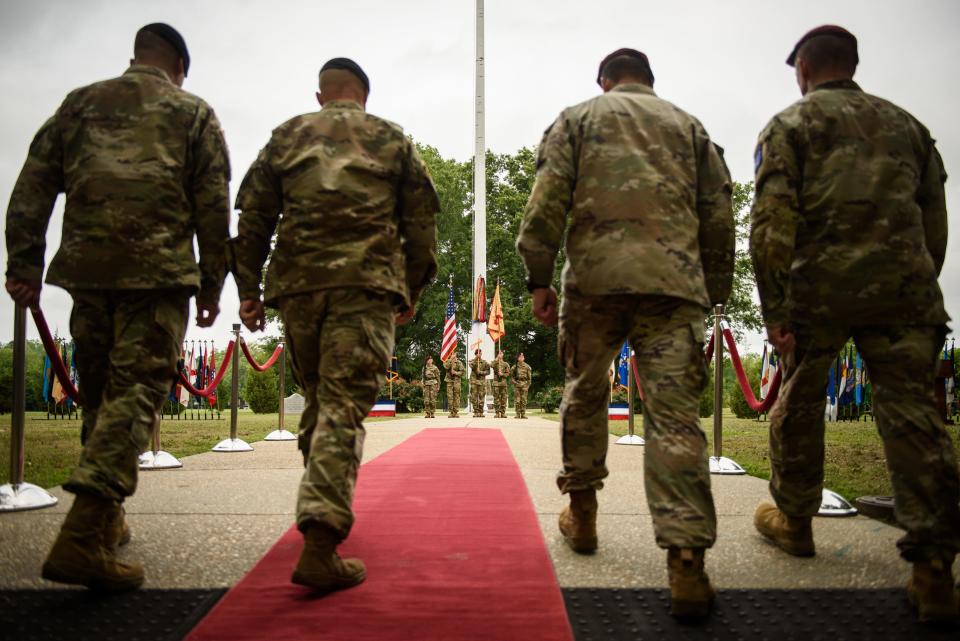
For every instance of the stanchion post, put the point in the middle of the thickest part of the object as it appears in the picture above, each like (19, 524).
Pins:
(18, 495)
(234, 444)
(281, 434)
(719, 464)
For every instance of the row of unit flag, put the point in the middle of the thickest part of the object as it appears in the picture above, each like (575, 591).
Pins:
(200, 368)
(849, 390)
(496, 326)
(53, 391)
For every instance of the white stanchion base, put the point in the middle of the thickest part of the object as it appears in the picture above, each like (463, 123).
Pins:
(159, 461)
(630, 439)
(724, 465)
(280, 435)
(832, 504)
(24, 496)
(232, 445)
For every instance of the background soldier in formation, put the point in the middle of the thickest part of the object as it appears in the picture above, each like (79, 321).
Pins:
(431, 385)
(501, 374)
(479, 369)
(455, 371)
(521, 376)
(144, 167)
(355, 246)
(645, 187)
(848, 237)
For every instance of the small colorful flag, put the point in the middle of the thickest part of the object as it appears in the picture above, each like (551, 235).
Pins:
(495, 326)
(480, 302)
(623, 366)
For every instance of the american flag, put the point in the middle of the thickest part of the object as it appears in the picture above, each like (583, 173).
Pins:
(449, 343)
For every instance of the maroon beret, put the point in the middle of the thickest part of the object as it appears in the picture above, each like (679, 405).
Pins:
(626, 51)
(825, 30)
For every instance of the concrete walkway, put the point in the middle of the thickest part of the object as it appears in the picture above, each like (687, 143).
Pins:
(205, 525)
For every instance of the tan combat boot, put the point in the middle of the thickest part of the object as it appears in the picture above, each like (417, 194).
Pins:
(321, 568)
(930, 590)
(80, 555)
(792, 534)
(118, 532)
(690, 590)
(578, 521)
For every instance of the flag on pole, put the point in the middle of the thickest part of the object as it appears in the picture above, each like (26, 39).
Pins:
(393, 372)
(74, 379)
(211, 373)
(495, 326)
(186, 362)
(480, 302)
(623, 367)
(59, 393)
(448, 342)
(841, 389)
(764, 372)
(47, 383)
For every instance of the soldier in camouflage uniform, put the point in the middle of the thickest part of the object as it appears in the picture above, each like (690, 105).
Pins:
(849, 233)
(144, 167)
(501, 374)
(649, 248)
(455, 372)
(355, 249)
(479, 369)
(520, 376)
(431, 385)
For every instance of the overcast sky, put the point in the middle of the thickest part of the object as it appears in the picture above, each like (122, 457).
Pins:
(256, 63)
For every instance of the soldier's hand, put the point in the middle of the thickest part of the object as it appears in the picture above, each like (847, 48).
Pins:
(782, 339)
(207, 313)
(545, 305)
(252, 314)
(25, 293)
(404, 317)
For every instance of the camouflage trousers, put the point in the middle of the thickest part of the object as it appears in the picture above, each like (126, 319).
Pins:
(902, 363)
(340, 344)
(430, 399)
(453, 398)
(520, 400)
(500, 398)
(667, 334)
(478, 393)
(128, 343)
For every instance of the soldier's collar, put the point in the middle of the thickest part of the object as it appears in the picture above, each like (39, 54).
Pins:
(343, 104)
(838, 84)
(149, 70)
(634, 87)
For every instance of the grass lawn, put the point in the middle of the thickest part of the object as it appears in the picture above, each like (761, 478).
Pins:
(855, 463)
(52, 447)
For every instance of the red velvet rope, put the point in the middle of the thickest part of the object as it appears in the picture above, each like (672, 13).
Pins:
(210, 389)
(708, 354)
(757, 406)
(636, 376)
(59, 368)
(270, 361)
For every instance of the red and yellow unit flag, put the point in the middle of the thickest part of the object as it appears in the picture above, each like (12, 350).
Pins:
(495, 325)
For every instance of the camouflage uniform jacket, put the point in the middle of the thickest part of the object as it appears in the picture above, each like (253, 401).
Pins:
(358, 209)
(431, 376)
(521, 374)
(501, 372)
(849, 220)
(144, 167)
(649, 199)
(455, 369)
(479, 369)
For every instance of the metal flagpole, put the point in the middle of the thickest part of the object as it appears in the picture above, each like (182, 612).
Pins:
(234, 444)
(17, 495)
(281, 434)
(719, 464)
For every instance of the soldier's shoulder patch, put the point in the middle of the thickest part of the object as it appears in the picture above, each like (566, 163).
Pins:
(758, 157)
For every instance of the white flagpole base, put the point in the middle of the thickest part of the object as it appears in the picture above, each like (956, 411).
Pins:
(724, 465)
(232, 445)
(280, 435)
(24, 496)
(833, 504)
(159, 461)
(630, 439)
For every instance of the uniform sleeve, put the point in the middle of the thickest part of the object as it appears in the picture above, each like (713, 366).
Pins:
(933, 204)
(418, 208)
(774, 219)
(31, 203)
(717, 229)
(211, 205)
(545, 216)
(259, 201)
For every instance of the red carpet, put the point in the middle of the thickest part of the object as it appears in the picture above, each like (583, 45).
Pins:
(453, 552)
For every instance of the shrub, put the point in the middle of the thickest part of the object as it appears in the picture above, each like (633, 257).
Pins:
(738, 404)
(260, 391)
(622, 395)
(549, 399)
(409, 396)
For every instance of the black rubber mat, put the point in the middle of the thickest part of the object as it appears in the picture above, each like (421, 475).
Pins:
(602, 614)
(79, 615)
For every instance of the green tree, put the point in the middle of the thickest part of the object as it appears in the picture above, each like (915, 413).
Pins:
(260, 391)
(741, 309)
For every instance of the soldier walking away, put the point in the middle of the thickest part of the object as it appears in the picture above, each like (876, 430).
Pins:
(520, 375)
(144, 168)
(501, 374)
(355, 249)
(455, 372)
(849, 233)
(431, 385)
(643, 186)
(479, 369)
